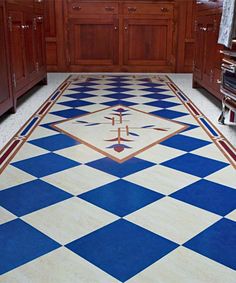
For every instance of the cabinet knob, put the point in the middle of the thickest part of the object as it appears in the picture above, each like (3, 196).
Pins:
(132, 9)
(76, 7)
(164, 10)
(126, 28)
(109, 9)
(115, 28)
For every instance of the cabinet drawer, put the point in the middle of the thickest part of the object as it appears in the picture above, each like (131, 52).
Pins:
(203, 5)
(76, 7)
(164, 9)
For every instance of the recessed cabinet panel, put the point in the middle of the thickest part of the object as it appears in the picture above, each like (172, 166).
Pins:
(17, 48)
(92, 42)
(147, 42)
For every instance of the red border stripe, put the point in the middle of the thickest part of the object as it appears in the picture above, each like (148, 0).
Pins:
(9, 151)
(228, 149)
(193, 109)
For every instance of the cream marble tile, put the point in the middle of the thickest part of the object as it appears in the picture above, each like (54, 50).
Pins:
(187, 119)
(93, 107)
(6, 215)
(59, 107)
(59, 266)
(78, 180)
(64, 98)
(160, 153)
(99, 93)
(13, 176)
(98, 99)
(158, 178)
(27, 151)
(173, 219)
(232, 215)
(139, 99)
(69, 220)
(145, 108)
(138, 92)
(41, 132)
(179, 108)
(198, 133)
(211, 151)
(80, 153)
(50, 118)
(225, 176)
(185, 266)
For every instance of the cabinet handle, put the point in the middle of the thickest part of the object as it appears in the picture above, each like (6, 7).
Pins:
(109, 9)
(25, 26)
(132, 9)
(39, 18)
(164, 10)
(75, 7)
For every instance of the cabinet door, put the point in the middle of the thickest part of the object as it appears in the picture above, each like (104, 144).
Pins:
(5, 96)
(199, 47)
(148, 42)
(39, 39)
(17, 47)
(30, 48)
(93, 41)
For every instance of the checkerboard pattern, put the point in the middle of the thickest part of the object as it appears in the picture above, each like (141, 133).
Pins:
(70, 214)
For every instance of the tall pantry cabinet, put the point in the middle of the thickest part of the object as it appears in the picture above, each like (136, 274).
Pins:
(24, 28)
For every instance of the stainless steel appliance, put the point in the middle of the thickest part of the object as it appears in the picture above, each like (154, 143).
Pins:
(228, 85)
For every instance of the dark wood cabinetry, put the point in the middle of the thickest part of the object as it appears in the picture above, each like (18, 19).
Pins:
(119, 35)
(27, 44)
(6, 99)
(22, 49)
(207, 52)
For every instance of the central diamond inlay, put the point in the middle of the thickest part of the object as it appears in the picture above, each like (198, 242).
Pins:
(120, 132)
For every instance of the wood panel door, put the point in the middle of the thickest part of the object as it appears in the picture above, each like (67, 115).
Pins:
(30, 45)
(199, 47)
(39, 39)
(17, 49)
(148, 42)
(93, 42)
(6, 100)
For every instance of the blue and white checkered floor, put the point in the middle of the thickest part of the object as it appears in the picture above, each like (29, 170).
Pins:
(70, 213)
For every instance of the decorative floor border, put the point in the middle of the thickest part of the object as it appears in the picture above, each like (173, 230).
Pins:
(13, 146)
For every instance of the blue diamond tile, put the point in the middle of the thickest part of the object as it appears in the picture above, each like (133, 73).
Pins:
(151, 85)
(158, 96)
(79, 95)
(69, 113)
(31, 196)
(119, 89)
(210, 196)
(169, 114)
(122, 249)
(76, 103)
(218, 242)
(185, 143)
(162, 104)
(120, 102)
(21, 243)
(55, 142)
(156, 89)
(119, 84)
(45, 164)
(120, 169)
(121, 197)
(195, 165)
(119, 95)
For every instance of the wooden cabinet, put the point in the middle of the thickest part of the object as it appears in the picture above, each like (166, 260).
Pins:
(207, 58)
(22, 48)
(93, 42)
(119, 36)
(27, 44)
(6, 99)
(148, 42)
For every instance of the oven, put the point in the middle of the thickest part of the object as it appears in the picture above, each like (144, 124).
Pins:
(228, 86)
